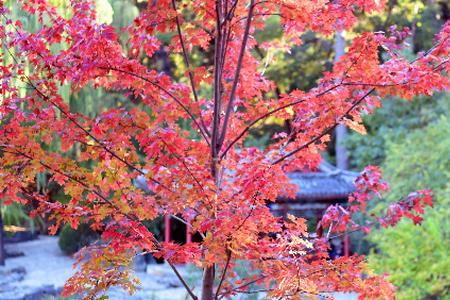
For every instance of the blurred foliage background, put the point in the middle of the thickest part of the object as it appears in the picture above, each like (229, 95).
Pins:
(417, 257)
(410, 140)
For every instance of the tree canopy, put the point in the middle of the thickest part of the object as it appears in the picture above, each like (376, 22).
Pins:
(185, 132)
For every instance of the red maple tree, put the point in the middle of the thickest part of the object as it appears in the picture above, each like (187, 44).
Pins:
(219, 187)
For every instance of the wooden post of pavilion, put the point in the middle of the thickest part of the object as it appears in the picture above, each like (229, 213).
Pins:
(188, 233)
(346, 245)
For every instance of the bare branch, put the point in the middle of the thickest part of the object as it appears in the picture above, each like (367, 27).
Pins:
(224, 273)
(326, 131)
(268, 114)
(236, 289)
(237, 72)
(187, 63)
(186, 286)
(168, 93)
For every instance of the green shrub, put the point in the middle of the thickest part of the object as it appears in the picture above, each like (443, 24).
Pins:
(417, 257)
(15, 214)
(393, 122)
(71, 240)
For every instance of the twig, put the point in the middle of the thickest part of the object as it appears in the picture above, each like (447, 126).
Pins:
(186, 286)
(237, 73)
(87, 132)
(186, 62)
(243, 286)
(186, 223)
(268, 114)
(325, 132)
(168, 93)
(187, 168)
(224, 273)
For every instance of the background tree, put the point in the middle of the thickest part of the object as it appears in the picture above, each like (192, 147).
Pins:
(427, 277)
(186, 136)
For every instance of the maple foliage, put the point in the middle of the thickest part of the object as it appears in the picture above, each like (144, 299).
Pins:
(219, 187)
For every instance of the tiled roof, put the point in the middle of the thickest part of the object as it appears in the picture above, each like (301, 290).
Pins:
(327, 183)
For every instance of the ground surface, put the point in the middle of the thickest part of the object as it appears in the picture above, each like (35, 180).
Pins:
(44, 268)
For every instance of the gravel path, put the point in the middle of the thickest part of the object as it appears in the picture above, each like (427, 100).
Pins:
(43, 267)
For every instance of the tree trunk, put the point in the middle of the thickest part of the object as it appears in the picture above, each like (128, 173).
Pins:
(341, 130)
(208, 284)
(2, 244)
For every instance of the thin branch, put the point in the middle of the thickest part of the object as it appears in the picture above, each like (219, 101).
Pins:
(168, 93)
(260, 14)
(237, 73)
(373, 85)
(187, 168)
(186, 286)
(405, 82)
(185, 54)
(226, 38)
(434, 47)
(87, 132)
(187, 63)
(222, 278)
(203, 130)
(70, 177)
(268, 114)
(187, 224)
(257, 291)
(315, 295)
(236, 289)
(249, 126)
(224, 273)
(254, 122)
(249, 214)
(325, 132)
(230, 13)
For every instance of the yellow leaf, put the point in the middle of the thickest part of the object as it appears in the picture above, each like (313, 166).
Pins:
(358, 127)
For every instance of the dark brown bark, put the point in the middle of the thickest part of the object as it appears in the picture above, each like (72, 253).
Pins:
(208, 283)
(218, 135)
(208, 272)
